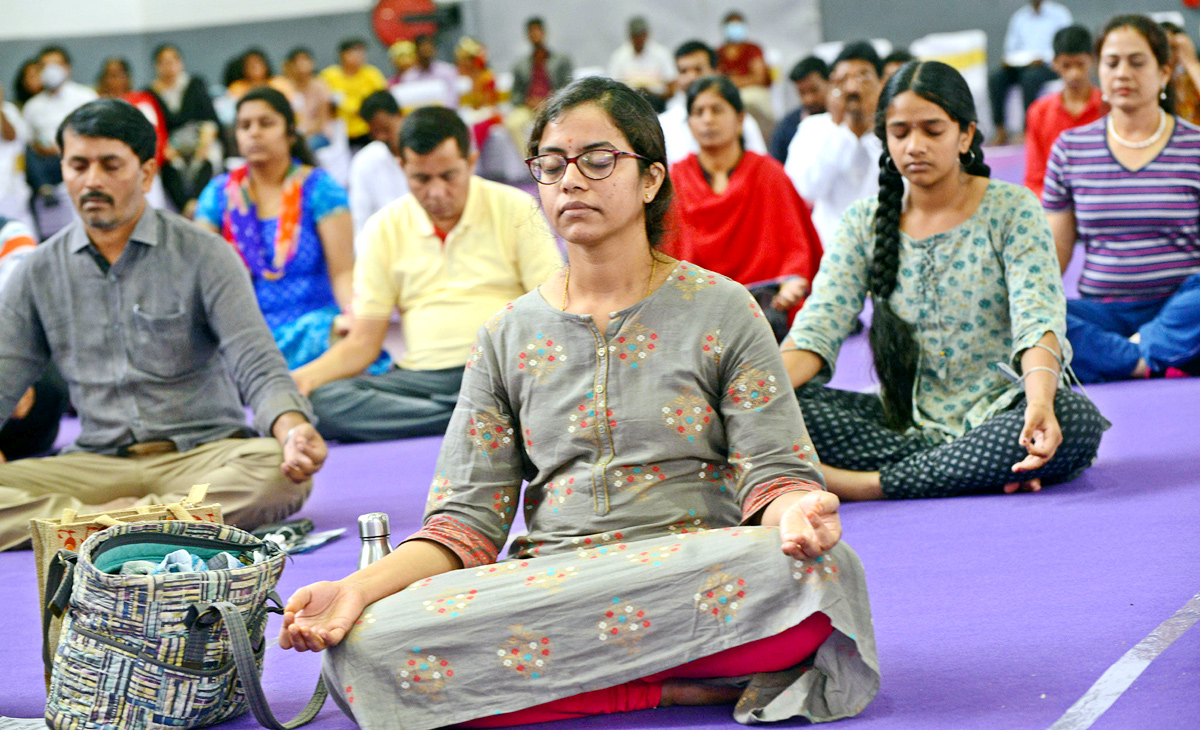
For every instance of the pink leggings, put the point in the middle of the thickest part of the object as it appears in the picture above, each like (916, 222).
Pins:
(770, 654)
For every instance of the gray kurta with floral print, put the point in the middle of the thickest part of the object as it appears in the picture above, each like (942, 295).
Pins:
(648, 452)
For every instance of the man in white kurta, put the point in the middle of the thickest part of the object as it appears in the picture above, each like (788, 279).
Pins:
(834, 158)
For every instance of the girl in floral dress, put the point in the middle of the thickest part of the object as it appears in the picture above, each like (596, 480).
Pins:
(969, 323)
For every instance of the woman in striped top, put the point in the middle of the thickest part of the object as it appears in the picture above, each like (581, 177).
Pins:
(1128, 187)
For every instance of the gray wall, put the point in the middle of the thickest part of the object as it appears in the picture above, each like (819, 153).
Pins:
(590, 30)
(206, 50)
(903, 21)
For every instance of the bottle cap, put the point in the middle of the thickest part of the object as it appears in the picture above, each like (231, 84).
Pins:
(374, 524)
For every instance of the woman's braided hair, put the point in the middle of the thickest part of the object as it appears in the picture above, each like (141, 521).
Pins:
(893, 340)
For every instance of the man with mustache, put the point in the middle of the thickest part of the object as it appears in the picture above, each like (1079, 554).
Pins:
(447, 256)
(153, 324)
(834, 158)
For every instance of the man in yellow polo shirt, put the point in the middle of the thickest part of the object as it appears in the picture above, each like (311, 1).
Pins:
(448, 255)
(352, 80)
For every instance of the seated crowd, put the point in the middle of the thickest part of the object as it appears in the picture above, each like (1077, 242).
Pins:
(660, 373)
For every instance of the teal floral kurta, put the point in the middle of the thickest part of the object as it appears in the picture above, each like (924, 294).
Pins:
(977, 295)
(648, 453)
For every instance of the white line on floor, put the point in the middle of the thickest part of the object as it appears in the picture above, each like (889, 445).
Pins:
(1113, 683)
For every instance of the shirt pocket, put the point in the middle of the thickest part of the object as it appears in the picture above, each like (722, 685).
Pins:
(161, 344)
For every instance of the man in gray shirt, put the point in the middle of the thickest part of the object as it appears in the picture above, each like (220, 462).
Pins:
(153, 323)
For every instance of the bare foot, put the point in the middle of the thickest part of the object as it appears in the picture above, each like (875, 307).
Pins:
(1031, 485)
(693, 692)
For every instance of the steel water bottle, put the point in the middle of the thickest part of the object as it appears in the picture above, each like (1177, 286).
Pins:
(375, 531)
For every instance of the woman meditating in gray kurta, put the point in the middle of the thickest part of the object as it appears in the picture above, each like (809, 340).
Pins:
(677, 527)
(965, 283)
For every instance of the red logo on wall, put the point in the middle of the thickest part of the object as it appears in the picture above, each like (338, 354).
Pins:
(403, 20)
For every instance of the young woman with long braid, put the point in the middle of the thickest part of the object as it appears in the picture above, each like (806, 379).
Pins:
(964, 281)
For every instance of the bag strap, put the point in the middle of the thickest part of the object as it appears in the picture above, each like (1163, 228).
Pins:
(247, 668)
(196, 494)
(60, 579)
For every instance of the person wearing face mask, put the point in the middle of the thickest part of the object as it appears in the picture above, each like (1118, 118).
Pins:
(834, 158)
(744, 64)
(446, 256)
(1125, 187)
(44, 112)
(693, 60)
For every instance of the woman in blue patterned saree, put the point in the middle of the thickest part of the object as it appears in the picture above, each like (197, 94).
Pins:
(290, 221)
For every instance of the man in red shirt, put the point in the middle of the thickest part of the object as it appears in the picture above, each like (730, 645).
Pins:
(744, 64)
(1079, 102)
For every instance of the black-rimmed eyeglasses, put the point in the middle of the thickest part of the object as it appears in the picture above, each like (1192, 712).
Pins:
(594, 164)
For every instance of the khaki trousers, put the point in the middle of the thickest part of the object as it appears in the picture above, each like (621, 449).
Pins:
(243, 473)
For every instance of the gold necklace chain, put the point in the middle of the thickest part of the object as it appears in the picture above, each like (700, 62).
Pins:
(649, 281)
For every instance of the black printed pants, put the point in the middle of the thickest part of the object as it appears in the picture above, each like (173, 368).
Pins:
(848, 432)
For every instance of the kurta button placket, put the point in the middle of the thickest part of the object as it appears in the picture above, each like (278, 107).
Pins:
(600, 501)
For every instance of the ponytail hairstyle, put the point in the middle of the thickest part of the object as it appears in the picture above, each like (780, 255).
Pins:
(893, 341)
(276, 100)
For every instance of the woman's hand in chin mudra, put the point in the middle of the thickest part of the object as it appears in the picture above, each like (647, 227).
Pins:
(810, 526)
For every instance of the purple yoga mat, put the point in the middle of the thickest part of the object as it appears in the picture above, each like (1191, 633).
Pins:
(994, 612)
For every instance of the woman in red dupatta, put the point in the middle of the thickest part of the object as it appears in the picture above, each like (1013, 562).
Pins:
(737, 213)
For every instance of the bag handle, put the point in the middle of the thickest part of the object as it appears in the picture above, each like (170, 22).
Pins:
(60, 579)
(194, 498)
(247, 669)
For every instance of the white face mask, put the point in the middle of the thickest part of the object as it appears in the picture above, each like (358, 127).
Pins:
(736, 31)
(53, 75)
